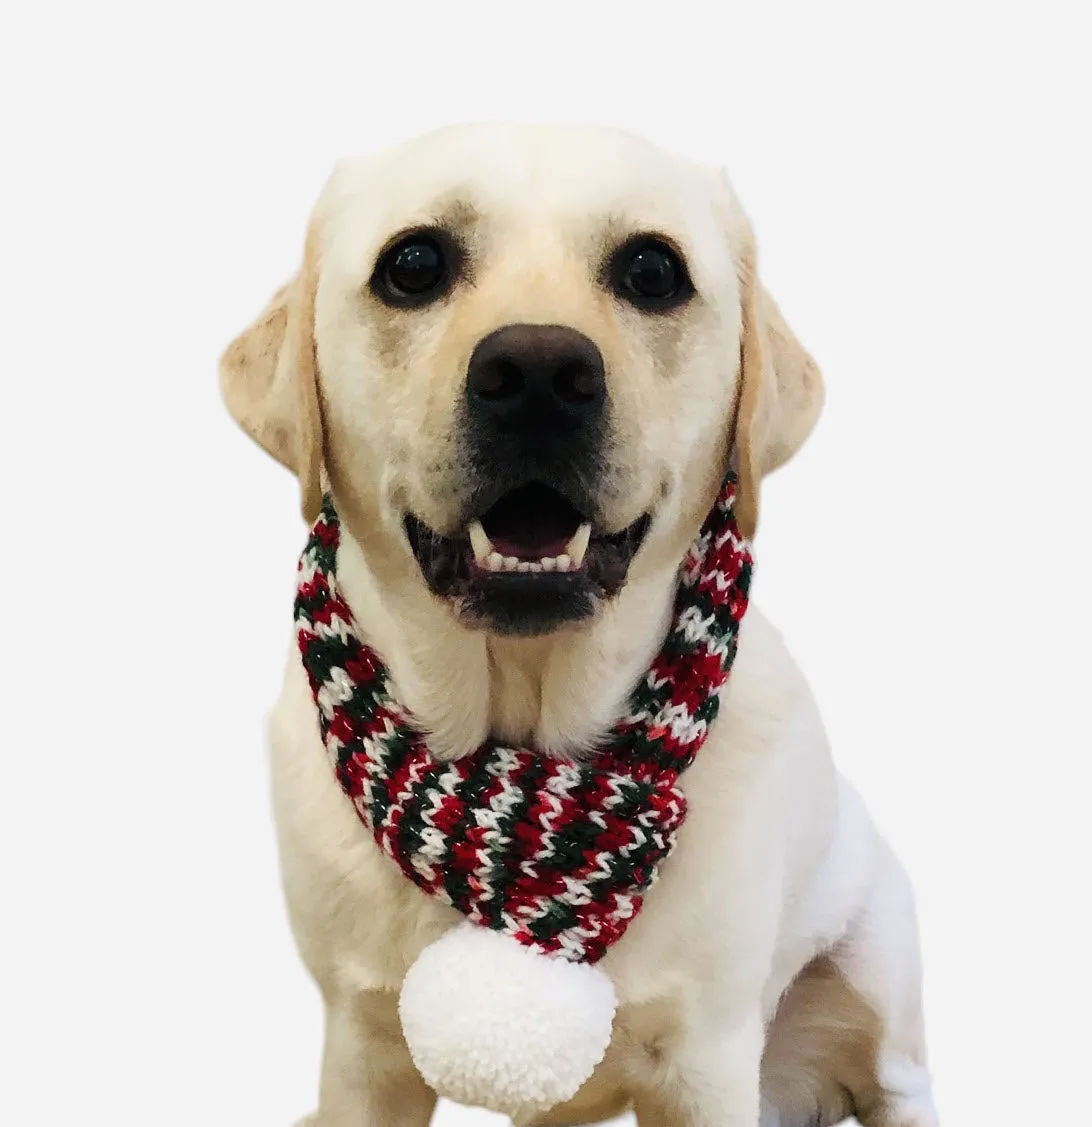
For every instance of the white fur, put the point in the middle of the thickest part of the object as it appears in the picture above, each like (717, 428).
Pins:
(778, 862)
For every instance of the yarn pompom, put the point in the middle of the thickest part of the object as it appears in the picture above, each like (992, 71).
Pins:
(495, 1024)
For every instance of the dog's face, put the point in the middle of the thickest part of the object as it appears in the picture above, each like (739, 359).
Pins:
(523, 347)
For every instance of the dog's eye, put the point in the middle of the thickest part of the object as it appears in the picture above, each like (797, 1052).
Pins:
(650, 275)
(412, 271)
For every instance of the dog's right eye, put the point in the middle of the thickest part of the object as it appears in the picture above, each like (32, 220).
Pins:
(413, 272)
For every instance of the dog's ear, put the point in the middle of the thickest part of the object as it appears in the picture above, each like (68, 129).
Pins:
(781, 391)
(269, 380)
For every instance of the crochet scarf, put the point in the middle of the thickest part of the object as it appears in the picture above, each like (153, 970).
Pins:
(556, 853)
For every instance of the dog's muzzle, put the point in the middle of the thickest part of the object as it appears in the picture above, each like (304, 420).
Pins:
(533, 552)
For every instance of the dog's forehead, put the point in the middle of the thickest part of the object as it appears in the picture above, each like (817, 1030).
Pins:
(574, 179)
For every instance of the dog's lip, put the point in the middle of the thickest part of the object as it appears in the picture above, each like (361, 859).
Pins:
(418, 531)
(467, 565)
(549, 564)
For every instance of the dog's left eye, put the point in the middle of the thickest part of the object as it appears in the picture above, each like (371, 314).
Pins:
(650, 275)
(412, 272)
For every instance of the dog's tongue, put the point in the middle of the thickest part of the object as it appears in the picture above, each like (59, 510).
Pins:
(531, 523)
(536, 549)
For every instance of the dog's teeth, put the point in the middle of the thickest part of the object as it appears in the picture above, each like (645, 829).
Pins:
(578, 546)
(494, 561)
(480, 543)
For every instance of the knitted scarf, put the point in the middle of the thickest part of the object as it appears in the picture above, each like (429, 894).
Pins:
(556, 853)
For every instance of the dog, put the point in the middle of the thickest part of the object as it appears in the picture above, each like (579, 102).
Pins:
(529, 334)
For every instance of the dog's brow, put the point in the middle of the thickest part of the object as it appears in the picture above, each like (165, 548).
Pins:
(616, 229)
(457, 216)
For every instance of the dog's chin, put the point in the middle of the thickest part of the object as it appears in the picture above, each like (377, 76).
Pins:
(529, 564)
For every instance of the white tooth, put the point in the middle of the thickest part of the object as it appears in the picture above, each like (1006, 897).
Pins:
(479, 542)
(578, 545)
(511, 563)
(562, 562)
(524, 565)
(547, 563)
(533, 567)
(495, 561)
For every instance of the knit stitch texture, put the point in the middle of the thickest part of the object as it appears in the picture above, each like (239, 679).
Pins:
(556, 853)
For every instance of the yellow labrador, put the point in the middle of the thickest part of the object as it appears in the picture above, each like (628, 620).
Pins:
(773, 977)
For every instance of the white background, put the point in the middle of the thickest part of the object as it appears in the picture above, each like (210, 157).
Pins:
(918, 178)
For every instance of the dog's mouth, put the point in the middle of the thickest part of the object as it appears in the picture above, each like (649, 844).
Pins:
(527, 564)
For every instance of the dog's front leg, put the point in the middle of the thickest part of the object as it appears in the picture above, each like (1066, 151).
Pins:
(368, 1078)
(712, 1080)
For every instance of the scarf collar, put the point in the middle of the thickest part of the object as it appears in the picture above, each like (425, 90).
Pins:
(557, 854)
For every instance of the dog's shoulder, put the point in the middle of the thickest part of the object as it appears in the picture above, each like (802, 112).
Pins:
(352, 911)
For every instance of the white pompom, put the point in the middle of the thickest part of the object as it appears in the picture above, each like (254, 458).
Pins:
(492, 1023)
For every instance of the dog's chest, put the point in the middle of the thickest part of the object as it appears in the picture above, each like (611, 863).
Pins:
(349, 903)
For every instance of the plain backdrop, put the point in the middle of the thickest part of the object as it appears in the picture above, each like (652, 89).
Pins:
(918, 176)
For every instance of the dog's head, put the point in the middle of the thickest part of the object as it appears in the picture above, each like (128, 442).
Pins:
(523, 357)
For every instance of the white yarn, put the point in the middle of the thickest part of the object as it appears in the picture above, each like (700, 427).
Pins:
(494, 1024)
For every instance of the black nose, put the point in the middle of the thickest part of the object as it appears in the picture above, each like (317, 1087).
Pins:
(536, 377)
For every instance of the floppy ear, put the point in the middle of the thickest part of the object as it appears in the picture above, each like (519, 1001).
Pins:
(781, 392)
(269, 380)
